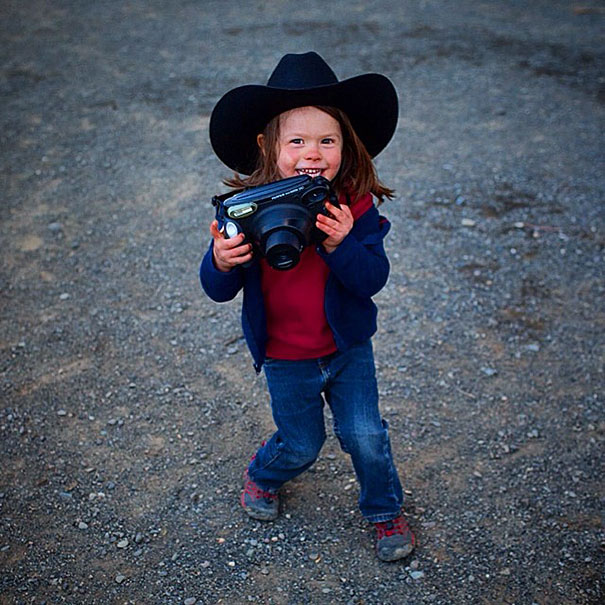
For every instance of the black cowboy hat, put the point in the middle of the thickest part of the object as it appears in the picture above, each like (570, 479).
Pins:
(369, 100)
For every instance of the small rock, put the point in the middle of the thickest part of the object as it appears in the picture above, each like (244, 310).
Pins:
(120, 578)
(468, 222)
(489, 371)
(123, 543)
(417, 575)
(82, 525)
(190, 601)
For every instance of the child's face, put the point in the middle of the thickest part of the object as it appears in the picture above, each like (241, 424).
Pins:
(310, 142)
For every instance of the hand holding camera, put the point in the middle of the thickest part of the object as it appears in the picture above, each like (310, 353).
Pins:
(336, 225)
(278, 220)
(229, 252)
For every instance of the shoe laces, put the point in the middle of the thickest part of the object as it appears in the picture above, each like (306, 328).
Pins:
(397, 526)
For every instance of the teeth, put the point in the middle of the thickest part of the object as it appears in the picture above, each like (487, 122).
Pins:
(309, 171)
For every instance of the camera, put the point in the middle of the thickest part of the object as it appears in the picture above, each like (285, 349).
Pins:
(278, 218)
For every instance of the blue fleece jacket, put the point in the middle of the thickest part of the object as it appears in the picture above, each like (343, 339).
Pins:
(359, 268)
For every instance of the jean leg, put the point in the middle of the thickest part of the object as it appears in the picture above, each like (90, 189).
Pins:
(297, 406)
(352, 394)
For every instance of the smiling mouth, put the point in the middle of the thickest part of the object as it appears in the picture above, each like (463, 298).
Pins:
(310, 171)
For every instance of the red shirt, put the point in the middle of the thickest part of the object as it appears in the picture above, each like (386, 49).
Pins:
(297, 327)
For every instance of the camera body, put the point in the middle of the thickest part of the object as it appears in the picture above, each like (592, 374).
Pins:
(278, 218)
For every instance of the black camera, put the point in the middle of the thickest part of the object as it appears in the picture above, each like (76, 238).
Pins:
(278, 218)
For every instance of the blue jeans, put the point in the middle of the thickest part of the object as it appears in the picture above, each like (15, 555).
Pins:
(348, 383)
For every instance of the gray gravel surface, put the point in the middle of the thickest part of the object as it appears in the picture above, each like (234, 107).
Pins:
(129, 403)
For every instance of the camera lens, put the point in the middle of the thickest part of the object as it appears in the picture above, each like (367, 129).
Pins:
(282, 249)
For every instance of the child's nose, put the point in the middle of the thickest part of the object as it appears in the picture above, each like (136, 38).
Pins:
(312, 152)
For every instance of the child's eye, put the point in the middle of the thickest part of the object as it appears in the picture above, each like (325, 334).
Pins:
(327, 141)
(296, 141)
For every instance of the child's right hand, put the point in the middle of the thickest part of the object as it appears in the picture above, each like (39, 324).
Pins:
(228, 253)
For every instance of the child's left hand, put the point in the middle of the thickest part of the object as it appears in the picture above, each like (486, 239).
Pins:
(337, 225)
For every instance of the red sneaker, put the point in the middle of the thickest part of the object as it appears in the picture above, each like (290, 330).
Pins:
(394, 539)
(258, 503)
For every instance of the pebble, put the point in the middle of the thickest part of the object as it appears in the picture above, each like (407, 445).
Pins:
(489, 371)
(82, 525)
(120, 578)
(468, 222)
(190, 601)
(417, 575)
(123, 543)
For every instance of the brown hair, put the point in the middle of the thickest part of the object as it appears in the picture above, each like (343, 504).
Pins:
(357, 172)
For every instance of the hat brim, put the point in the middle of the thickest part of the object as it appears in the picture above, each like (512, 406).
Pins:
(369, 100)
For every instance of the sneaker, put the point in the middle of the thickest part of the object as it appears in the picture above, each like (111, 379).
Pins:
(394, 539)
(258, 503)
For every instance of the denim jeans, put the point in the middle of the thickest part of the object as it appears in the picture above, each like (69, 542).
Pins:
(347, 381)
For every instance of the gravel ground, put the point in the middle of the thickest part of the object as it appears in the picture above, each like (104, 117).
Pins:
(129, 403)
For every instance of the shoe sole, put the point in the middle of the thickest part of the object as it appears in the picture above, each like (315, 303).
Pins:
(397, 554)
(259, 515)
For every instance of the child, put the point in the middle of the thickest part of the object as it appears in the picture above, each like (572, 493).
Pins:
(310, 326)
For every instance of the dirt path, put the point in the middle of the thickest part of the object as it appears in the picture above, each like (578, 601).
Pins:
(129, 403)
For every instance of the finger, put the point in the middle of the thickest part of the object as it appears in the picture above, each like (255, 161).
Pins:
(245, 258)
(234, 254)
(232, 259)
(344, 209)
(335, 223)
(328, 220)
(214, 232)
(322, 218)
(328, 229)
(231, 242)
